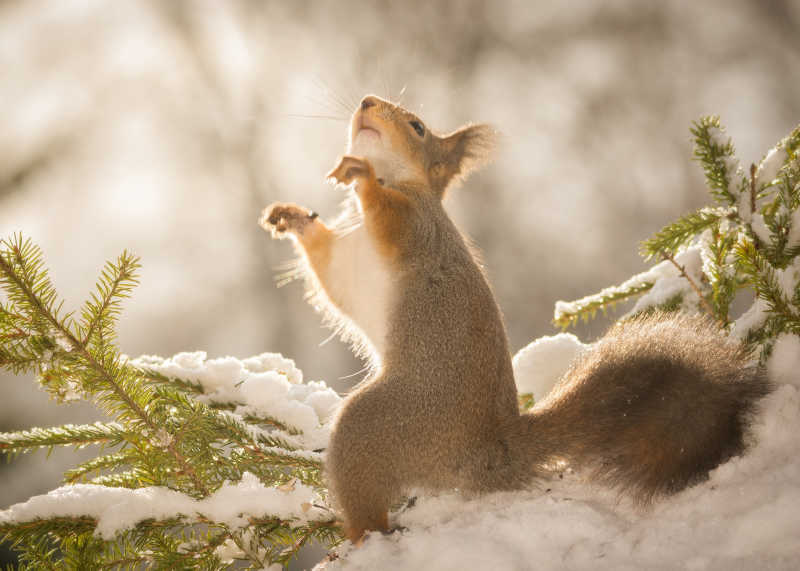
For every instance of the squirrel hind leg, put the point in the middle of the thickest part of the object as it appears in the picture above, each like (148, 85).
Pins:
(362, 488)
(356, 527)
(363, 512)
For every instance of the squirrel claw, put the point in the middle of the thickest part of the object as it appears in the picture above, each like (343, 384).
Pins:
(351, 168)
(281, 218)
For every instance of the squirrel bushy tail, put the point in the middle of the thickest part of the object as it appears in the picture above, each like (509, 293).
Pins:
(657, 403)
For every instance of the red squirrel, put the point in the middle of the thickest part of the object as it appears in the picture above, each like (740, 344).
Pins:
(657, 403)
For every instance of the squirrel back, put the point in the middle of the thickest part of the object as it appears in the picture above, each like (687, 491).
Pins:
(659, 402)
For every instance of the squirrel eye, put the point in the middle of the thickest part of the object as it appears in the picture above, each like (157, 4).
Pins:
(418, 127)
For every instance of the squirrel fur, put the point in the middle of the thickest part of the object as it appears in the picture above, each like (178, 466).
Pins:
(651, 409)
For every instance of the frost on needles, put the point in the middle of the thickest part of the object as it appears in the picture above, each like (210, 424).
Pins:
(209, 463)
(749, 239)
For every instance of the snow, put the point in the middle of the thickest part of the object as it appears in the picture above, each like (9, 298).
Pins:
(784, 363)
(744, 205)
(788, 278)
(266, 385)
(760, 228)
(668, 281)
(718, 136)
(72, 392)
(705, 241)
(539, 365)
(766, 174)
(228, 551)
(62, 341)
(734, 174)
(162, 438)
(770, 165)
(751, 319)
(793, 240)
(745, 516)
(117, 509)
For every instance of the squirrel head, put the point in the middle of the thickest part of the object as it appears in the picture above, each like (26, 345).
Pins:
(403, 149)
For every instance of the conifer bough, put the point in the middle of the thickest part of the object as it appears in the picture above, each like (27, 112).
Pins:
(749, 239)
(194, 472)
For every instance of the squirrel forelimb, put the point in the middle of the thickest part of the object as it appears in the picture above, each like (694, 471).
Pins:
(285, 220)
(310, 234)
(386, 210)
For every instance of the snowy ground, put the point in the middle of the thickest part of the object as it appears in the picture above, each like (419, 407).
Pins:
(747, 516)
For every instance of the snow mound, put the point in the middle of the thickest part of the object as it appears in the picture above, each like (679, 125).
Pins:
(539, 365)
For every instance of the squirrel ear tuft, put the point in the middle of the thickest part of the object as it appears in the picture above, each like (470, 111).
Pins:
(464, 151)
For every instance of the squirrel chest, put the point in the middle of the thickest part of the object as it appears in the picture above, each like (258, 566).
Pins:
(359, 285)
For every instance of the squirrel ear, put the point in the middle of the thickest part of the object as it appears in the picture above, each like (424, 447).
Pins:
(463, 151)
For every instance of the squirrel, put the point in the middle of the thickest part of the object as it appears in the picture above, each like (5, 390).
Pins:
(657, 403)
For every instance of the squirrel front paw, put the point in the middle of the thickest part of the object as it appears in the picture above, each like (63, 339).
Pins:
(352, 168)
(282, 219)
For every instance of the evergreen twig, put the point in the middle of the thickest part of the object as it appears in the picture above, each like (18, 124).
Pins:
(732, 235)
(672, 237)
(703, 301)
(163, 436)
(66, 435)
(567, 315)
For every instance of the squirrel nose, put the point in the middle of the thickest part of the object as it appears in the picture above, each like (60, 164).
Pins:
(367, 102)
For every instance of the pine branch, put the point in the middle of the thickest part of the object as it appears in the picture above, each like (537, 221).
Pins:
(131, 544)
(762, 278)
(715, 153)
(169, 438)
(682, 270)
(116, 283)
(131, 479)
(105, 462)
(721, 275)
(741, 211)
(22, 274)
(267, 449)
(21, 264)
(281, 457)
(568, 314)
(57, 525)
(673, 236)
(66, 435)
(185, 387)
(328, 531)
(156, 378)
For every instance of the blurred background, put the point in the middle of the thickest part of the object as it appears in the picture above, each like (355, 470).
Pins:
(164, 127)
